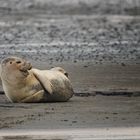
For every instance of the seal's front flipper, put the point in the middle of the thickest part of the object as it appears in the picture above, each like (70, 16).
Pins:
(44, 81)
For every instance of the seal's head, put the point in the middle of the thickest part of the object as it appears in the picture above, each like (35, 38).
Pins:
(15, 67)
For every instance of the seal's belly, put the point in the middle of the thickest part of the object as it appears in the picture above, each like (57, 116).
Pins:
(15, 94)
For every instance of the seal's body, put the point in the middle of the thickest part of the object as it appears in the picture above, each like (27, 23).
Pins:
(21, 83)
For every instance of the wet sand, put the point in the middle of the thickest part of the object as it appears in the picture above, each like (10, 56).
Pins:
(79, 112)
(92, 117)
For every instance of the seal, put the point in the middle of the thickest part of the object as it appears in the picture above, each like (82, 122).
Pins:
(22, 83)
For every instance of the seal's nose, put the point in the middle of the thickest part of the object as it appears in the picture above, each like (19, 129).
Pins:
(66, 74)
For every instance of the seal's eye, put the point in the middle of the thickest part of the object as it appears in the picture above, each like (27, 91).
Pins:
(18, 62)
(10, 62)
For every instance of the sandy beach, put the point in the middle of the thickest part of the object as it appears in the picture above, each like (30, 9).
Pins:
(97, 42)
(99, 117)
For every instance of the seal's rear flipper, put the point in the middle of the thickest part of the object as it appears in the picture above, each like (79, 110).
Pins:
(40, 76)
(60, 70)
